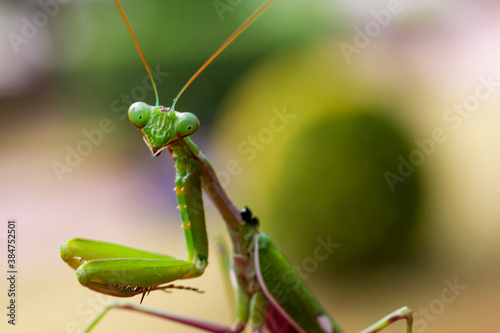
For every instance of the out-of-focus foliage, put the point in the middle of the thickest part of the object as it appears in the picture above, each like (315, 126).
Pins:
(176, 39)
(320, 173)
(331, 185)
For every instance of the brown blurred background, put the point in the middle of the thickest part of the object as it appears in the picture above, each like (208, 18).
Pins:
(369, 124)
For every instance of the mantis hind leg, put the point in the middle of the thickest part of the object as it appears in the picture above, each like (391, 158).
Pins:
(201, 324)
(225, 262)
(402, 313)
(244, 307)
(238, 298)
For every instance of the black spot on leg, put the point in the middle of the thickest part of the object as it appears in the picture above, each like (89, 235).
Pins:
(247, 216)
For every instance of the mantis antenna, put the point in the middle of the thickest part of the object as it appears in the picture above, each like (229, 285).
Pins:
(221, 48)
(138, 49)
(228, 41)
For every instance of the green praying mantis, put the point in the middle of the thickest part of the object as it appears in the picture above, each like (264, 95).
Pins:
(269, 293)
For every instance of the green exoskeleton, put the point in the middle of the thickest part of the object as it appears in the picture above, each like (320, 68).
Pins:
(264, 298)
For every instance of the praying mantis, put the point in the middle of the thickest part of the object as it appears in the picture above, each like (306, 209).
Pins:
(269, 292)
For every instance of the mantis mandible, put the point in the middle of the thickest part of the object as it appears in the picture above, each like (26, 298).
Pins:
(264, 298)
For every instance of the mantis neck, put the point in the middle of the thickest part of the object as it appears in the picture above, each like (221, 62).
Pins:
(189, 160)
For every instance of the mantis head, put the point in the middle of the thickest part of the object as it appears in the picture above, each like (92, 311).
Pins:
(161, 126)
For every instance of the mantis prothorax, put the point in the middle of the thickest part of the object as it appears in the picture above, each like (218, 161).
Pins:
(264, 298)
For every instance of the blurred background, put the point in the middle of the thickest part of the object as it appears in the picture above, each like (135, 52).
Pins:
(362, 134)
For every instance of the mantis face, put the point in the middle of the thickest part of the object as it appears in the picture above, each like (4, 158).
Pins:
(161, 126)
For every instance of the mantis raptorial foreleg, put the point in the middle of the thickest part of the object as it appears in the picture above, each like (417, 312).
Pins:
(122, 271)
(113, 269)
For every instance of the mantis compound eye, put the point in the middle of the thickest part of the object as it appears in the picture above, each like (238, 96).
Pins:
(139, 113)
(187, 124)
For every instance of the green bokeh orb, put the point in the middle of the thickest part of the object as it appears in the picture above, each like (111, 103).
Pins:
(332, 188)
